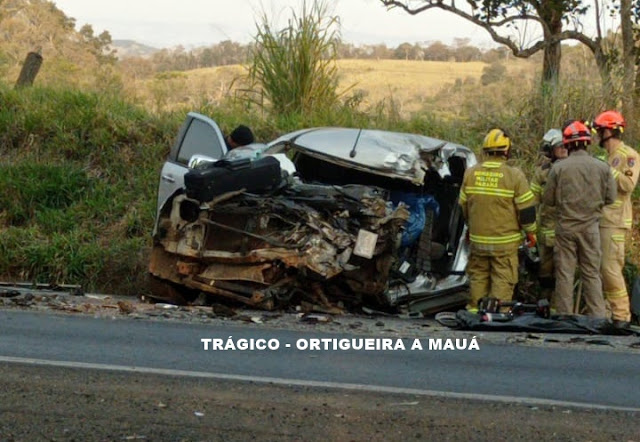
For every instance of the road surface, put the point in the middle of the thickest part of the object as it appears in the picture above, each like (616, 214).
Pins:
(76, 377)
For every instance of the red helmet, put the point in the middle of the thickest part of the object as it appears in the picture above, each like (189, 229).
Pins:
(609, 120)
(576, 131)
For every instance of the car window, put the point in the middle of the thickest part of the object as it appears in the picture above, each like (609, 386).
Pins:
(200, 138)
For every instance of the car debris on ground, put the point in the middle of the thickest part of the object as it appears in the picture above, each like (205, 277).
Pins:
(112, 307)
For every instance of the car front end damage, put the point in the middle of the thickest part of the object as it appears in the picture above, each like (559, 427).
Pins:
(331, 236)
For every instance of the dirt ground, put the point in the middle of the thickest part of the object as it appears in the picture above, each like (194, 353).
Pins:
(55, 404)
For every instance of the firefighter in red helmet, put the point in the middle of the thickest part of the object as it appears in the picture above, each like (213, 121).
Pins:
(578, 187)
(617, 217)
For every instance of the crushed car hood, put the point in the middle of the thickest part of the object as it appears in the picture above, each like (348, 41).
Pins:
(393, 154)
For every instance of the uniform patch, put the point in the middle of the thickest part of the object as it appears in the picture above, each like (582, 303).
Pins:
(615, 162)
(631, 162)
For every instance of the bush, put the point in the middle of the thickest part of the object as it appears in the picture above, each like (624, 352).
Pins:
(493, 73)
(294, 68)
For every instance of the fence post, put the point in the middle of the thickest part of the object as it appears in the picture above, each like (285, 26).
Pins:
(29, 70)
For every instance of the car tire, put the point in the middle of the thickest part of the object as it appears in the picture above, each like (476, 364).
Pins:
(165, 291)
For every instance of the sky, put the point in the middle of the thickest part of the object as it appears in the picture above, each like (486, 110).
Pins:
(190, 23)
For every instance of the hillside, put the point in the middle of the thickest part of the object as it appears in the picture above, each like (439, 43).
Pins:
(74, 58)
(131, 48)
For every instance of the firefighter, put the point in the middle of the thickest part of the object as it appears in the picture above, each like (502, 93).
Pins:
(497, 205)
(553, 150)
(616, 219)
(578, 187)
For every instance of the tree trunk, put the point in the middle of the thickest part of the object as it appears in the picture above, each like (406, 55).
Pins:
(636, 90)
(550, 72)
(553, 50)
(629, 59)
(29, 70)
(551, 64)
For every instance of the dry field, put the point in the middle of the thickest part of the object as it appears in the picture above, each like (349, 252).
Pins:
(408, 83)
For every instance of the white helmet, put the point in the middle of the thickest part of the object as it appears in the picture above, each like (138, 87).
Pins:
(551, 139)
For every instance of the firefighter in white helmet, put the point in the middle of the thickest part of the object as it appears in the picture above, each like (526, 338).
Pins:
(552, 149)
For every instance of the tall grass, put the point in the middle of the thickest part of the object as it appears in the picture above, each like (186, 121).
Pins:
(78, 180)
(294, 68)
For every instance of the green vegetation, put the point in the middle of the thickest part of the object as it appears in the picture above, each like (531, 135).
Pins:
(78, 186)
(80, 156)
(79, 170)
(294, 68)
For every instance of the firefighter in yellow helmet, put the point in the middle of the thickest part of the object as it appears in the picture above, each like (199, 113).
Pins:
(552, 149)
(498, 205)
(615, 224)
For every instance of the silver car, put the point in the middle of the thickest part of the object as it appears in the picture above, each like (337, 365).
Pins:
(330, 219)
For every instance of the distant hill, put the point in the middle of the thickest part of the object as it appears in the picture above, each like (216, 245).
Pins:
(130, 48)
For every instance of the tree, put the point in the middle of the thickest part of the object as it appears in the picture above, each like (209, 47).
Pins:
(467, 53)
(437, 51)
(379, 51)
(507, 22)
(100, 45)
(407, 51)
(38, 25)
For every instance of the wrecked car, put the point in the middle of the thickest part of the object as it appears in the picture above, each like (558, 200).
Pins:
(330, 219)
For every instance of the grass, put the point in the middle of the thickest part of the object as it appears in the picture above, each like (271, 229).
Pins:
(79, 170)
(78, 183)
(409, 84)
(405, 82)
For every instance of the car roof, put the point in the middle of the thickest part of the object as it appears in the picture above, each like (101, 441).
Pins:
(395, 153)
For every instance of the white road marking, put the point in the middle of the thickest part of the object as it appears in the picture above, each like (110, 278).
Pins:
(319, 384)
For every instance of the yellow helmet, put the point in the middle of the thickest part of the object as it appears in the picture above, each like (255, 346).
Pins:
(496, 141)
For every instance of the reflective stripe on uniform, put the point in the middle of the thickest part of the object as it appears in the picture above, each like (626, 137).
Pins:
(615, 294)
(495, 239)
(616, 173)
(628, 222)
(536, 188)
(531, 228)
(524, 197)
(490, 191)
(463, 196)
(623, 151)
(618, 237)
(549, 233)
(492, 164)
(616, 204)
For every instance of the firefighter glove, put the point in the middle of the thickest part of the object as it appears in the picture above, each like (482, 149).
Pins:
(531, 240)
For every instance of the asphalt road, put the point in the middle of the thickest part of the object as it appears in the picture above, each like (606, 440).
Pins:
(527, 375)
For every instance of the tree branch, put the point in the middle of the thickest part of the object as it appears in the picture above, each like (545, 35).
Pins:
(489, 26)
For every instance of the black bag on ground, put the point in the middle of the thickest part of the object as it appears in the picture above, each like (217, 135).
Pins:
(261, 175)
(531, 322)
